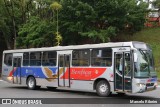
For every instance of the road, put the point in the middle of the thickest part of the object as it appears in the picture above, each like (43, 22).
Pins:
(8, 90)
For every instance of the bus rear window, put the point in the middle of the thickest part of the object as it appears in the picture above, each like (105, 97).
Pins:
(8, 59)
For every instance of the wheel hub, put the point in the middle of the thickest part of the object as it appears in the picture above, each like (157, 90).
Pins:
(103, 88)
(31, 83)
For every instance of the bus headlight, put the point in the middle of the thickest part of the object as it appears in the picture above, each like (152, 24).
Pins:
(141, 87)
(140, 84)
(9, 78)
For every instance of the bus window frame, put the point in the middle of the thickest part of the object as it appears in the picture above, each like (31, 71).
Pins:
(7, 61)
(89, 59)
(55, 57)
(104, 57)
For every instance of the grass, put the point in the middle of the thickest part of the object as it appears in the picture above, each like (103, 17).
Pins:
(150, 36)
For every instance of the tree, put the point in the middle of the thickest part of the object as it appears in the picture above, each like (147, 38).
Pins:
(156, 3)
(13, 14)
(36, 33)
(99, 21)
(4, 25)
(78, 22)
(75, 18)
(55, 6)
(9, 5)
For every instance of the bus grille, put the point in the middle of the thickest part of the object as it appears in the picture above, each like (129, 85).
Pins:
(149, 84)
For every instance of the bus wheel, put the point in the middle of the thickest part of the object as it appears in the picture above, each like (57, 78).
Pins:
(103, 88)
(31, 83)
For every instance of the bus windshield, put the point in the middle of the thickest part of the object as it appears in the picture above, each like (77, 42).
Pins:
(144, 66)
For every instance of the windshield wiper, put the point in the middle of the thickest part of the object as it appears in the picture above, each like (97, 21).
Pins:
(146, 58)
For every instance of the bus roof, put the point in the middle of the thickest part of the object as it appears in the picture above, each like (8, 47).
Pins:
(70, 47)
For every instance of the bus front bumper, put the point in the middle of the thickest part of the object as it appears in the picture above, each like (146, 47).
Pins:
(147, 87)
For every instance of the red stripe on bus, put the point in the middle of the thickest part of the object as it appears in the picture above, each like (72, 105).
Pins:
(83, 73)
(11, 72)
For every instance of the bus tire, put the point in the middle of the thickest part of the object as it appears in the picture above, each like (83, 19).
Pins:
(103, 88)
(31, 83)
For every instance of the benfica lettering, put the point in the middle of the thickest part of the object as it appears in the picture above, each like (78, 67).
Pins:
(81, 72)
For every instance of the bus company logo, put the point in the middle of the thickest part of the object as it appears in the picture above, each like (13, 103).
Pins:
(6, 101)
(96, 71)
(81, 71)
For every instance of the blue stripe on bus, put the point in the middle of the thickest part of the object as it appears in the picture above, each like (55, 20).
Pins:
(153, 79)
(35, 71)
(54, 70)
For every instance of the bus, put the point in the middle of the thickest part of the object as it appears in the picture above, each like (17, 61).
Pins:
(119, 67)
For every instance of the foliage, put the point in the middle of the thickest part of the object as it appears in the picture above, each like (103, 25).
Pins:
(5, 27)
(55, 6)
(33, 23)
(58, 38)
(103, 35)
(36, 33)
(99, 20)
(13, 13)
(156, 3)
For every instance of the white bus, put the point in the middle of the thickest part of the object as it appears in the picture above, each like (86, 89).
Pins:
(122, 67)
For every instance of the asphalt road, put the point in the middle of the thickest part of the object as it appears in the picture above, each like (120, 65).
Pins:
(8, 90)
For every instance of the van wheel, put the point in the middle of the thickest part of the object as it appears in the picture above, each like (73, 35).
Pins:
(31, 83)
(103, 88)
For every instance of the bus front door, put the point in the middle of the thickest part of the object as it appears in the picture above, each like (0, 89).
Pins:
(17, 70)
(64, 70)
(122, 71)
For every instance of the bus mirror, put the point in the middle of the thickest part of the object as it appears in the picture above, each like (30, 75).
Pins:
(135, 57)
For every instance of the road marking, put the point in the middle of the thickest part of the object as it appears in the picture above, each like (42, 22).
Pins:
(1, 80)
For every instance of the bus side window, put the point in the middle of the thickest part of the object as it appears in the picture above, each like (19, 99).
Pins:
(49, 58)
(26, 59)
(127, 61)
(101, 57)
(8, 59)
(81, 57)
(119, 62)
(35, 58)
